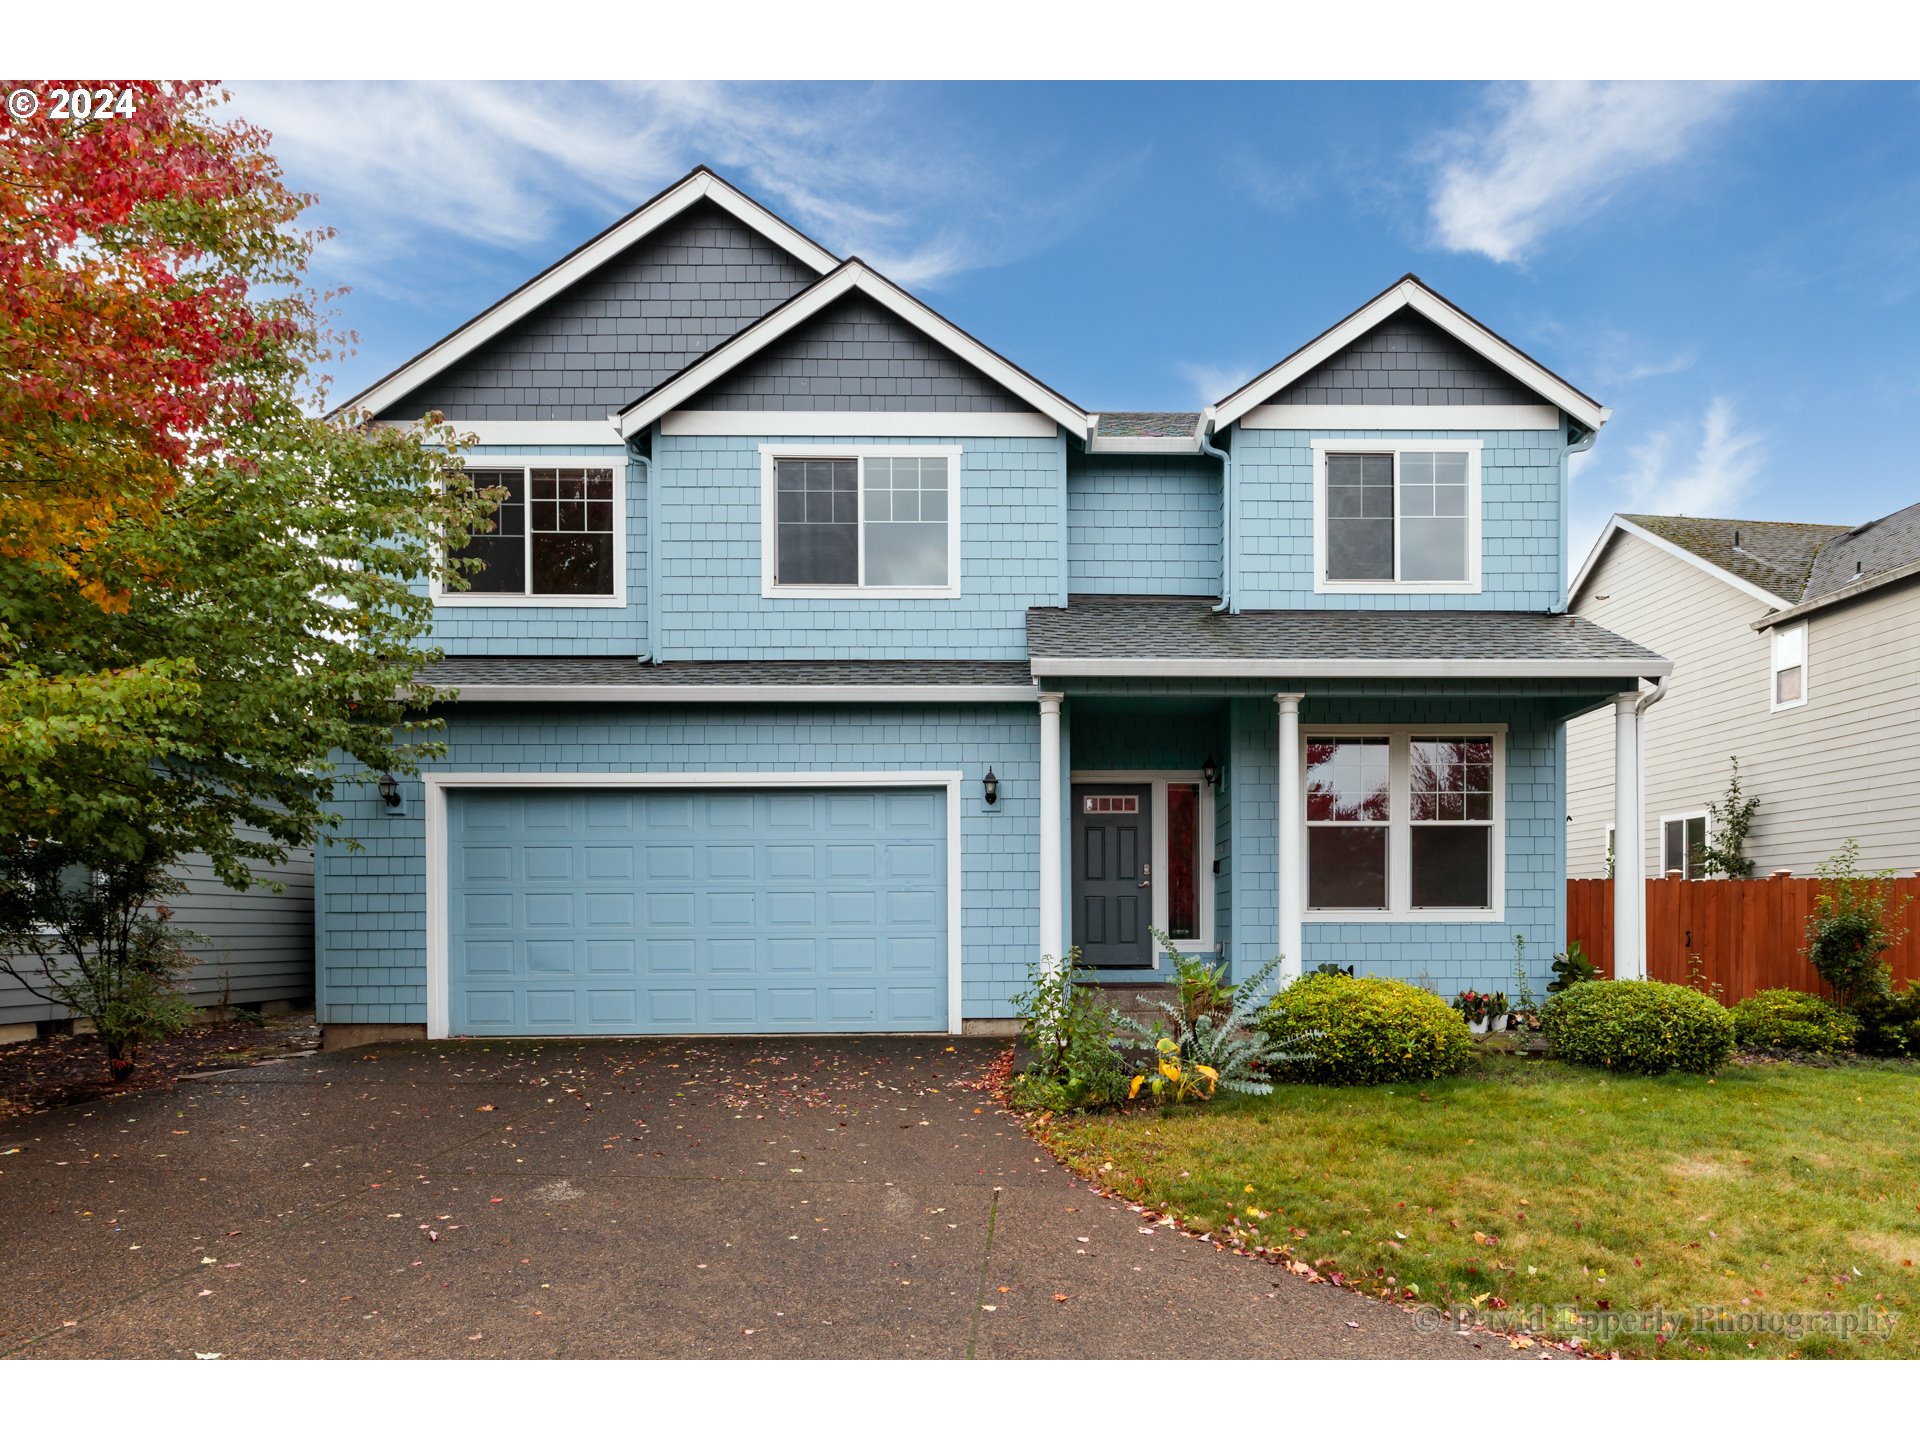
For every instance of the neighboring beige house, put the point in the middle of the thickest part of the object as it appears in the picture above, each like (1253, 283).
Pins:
(1796, 648)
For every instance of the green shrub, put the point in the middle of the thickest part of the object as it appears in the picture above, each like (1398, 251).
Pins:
(1854, 923)
(1645, 1026)
(1069, 1030)
(1889, 1023)
(1363, 1030)
(1793, 1020)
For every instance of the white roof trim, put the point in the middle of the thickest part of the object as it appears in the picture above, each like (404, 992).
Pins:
(476, 332)
(1396, 669)
(748, 694)
(1619, 525)
(1401, 417)
(937, 424)
(1411, 294)
(850, 277)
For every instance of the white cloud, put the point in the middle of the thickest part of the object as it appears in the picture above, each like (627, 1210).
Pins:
(866, 170)
(1210, 382)
(1719, 473)
(1553, 152)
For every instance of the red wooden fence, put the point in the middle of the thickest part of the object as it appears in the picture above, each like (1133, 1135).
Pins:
(1748, 934)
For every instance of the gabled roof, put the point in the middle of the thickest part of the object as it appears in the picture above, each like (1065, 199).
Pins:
(1768, 560)
(853, 276)
(1158, 637)
(1873, 549)
(700, 184)
(1410, 292)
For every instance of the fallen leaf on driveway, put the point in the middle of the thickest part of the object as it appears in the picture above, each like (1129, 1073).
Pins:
(483, 1109)
(1061, 1298)
(207, 1355)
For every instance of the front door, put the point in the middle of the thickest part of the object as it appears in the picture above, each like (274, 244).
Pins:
(1113, 875)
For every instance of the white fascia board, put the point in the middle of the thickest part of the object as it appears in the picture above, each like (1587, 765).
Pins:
(751, 694)
(1619, 525)
(1396, 669)
(803, 307)
(1410, 294)
(1401, 417)
(1143, 445)
(527, 432)
(1860, 587)
(482, 328)
(881, 423)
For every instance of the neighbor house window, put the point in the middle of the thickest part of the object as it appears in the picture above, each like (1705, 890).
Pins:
(1683, 846)
(1404, 822)
(1398, 516)
(879, 520)
(553, 536)
(1789, 666)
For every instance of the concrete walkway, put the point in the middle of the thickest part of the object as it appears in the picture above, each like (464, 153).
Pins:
(770, 1198)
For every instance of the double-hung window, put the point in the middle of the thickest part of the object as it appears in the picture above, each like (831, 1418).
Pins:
(1789, 666)
(1404, 822)
(555, 536)
(1397, 516)
(881, 520)
(1683, 845)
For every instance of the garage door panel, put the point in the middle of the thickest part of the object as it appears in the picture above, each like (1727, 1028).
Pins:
(679, 912)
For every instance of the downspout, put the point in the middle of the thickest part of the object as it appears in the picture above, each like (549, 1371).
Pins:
(1645, 703)
(1577, 447)
(645, 462)
(1226, 507)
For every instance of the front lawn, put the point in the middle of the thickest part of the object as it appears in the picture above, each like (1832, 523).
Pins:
(1528, 1189)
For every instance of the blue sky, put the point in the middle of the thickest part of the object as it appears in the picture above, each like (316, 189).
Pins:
(1734, 269)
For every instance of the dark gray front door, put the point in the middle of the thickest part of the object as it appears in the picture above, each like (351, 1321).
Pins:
(1113, 875)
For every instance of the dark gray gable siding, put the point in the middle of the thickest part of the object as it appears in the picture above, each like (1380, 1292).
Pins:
(856, 355)
(698, 280)
(1406, 360)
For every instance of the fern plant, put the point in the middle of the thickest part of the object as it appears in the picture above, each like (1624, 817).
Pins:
(1220, 1045)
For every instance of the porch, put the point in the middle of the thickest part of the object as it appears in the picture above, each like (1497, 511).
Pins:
(1397, 812)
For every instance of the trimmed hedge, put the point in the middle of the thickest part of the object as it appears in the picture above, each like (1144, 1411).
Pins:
(1889, 1023)
(1363, 1030)
(1644, 1026)
(1793, 1020)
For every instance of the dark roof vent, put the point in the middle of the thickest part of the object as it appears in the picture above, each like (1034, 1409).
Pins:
(1736, 539)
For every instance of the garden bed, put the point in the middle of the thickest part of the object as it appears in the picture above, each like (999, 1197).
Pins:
(1541, 1198)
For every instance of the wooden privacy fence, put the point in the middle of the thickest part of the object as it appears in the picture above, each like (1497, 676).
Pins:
(1749, 934)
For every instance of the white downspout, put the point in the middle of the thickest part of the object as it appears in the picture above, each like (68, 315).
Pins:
(1226, 507)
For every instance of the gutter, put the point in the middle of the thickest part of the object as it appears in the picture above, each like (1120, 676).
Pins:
(1226, 507)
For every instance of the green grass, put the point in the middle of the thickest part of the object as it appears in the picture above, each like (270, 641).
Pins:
(1532, 1184)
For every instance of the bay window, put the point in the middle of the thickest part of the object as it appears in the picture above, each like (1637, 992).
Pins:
(854, 521)
(1404, 822)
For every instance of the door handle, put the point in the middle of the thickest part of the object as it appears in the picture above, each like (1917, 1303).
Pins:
(1146, 873)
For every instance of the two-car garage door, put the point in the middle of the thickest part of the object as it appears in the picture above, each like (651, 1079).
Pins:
(637, 912)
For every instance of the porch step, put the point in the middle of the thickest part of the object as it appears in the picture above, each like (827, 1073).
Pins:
(1125, 999)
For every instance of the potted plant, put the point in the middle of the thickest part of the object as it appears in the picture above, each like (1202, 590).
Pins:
(1472, 1006)
(1498, 1010)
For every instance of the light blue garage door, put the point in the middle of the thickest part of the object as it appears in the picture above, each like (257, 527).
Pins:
(614, 912)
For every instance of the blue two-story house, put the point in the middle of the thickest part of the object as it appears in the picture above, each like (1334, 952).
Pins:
(827, 669)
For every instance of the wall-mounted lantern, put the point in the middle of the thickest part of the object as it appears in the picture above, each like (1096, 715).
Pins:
(990, 787)
(390, 791)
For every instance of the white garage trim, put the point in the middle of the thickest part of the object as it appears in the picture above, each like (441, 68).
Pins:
(439, 976)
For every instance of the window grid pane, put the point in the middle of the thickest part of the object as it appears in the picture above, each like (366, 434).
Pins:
(817, 516)
(1349, 810)
(906, 519)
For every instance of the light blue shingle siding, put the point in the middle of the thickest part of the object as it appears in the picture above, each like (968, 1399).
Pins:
(1521, 521)
(1143, 525)
(710, 605)
(558, 629)
(1449, 957)
(372, 927)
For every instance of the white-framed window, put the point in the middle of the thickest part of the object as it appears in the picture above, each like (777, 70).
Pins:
(1683, 844)
(881, 521)
(1789, 667)
(1405, 822)
(1396, 516)
(1183, 851)
(558, 538)
(1609, 857)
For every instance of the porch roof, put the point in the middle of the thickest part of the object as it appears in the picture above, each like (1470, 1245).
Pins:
(1095, 636)
(626, 677)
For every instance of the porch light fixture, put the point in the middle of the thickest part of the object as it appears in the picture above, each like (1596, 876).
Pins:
(1210, 773)
(390, 791)
(990, 787)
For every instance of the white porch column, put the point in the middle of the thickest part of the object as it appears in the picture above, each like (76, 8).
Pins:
(1052, 940)
(1288, 833)
(1629, 844)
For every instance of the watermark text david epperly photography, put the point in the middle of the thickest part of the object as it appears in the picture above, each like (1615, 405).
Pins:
(1568, 1321)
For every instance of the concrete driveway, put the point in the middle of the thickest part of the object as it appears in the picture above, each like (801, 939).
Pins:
(768, 1198)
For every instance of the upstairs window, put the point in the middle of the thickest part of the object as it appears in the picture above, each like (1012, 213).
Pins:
(1392, 516)
(1789, 666)
(882, 521)
(554, 536)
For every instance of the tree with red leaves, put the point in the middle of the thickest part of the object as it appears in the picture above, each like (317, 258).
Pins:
(211, 596)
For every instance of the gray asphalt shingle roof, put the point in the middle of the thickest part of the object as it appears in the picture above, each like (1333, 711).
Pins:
(1861, 553)
(1134, 424)
(1124, 630)
(1773, 554)
(459, 670)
